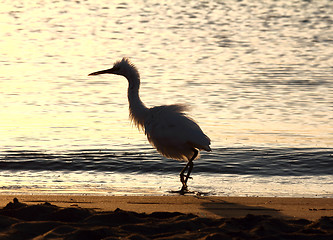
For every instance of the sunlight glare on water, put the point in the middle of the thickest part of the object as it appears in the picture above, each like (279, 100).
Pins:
(254, 73)
(257, 76)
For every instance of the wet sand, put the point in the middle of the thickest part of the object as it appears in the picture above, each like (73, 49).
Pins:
(164, 217)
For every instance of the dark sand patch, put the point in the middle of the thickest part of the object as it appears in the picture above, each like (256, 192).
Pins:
(47, 221)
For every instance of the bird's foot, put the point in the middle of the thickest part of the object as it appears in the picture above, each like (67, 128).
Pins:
(183, 190)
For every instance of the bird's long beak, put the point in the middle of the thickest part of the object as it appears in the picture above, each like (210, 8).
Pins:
(101, 72)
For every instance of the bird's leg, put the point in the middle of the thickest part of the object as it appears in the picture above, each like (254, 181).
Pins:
(190, 164)
(188, 167)
(182, 179)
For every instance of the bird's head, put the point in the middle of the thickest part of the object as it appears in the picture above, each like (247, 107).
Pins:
(123, 67)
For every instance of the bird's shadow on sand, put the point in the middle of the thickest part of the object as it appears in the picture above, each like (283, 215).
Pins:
(229, 209)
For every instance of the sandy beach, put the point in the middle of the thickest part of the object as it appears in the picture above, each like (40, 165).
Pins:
(164, 217)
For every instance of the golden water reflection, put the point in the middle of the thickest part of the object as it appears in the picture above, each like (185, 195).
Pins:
(248, 70)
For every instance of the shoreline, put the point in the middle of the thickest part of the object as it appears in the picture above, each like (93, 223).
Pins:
(202, 206)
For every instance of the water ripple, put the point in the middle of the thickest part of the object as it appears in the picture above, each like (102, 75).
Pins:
(239, 161)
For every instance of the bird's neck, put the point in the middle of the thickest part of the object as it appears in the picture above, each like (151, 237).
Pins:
(138, 110)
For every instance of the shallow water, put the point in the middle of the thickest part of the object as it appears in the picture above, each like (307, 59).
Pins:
(256, 75)
(226, 171)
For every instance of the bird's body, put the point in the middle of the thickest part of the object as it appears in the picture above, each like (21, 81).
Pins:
(167, 127)
(164, 123)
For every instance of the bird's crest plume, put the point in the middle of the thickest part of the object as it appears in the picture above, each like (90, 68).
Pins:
(126, 65)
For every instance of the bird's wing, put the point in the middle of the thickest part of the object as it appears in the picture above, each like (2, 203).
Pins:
(173, 128)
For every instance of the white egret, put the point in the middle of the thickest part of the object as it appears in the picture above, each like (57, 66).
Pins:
(167, 127)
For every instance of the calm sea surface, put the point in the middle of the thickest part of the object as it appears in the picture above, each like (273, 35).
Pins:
(257, 75)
